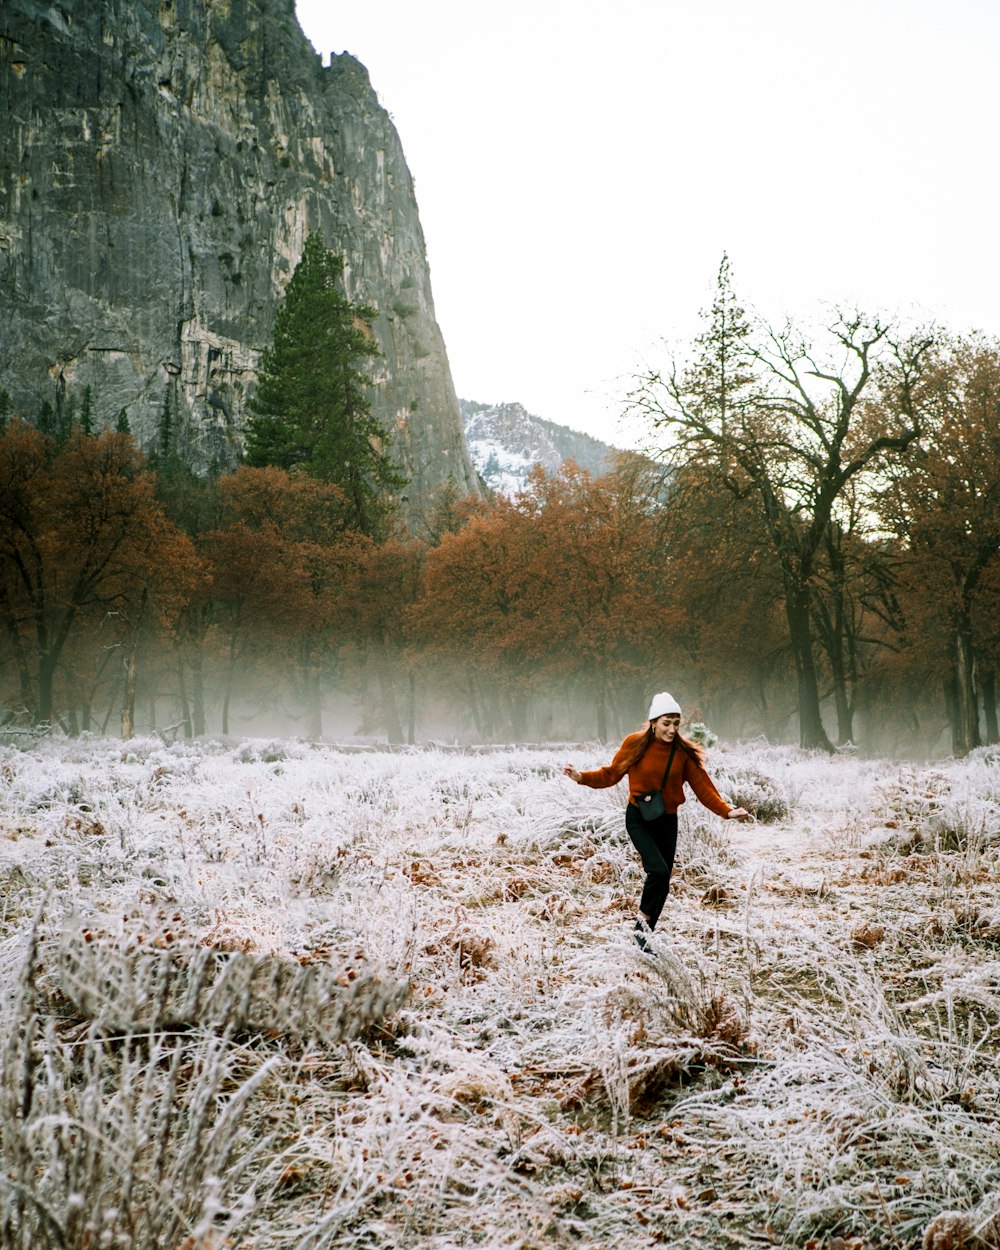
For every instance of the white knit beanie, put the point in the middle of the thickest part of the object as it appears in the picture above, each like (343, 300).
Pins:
(663, 705)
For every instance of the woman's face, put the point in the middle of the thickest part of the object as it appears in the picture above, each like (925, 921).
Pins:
(664, 727)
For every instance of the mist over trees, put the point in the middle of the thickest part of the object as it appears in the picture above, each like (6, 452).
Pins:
(809, 551)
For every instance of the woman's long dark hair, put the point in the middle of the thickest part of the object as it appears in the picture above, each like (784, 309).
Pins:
(696, 752)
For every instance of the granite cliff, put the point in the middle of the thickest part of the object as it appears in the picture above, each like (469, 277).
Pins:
(161, 163)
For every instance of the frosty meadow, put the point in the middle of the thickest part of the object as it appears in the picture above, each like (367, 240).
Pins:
(271, 994)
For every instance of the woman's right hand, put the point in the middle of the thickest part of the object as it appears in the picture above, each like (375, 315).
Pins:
(573, 773)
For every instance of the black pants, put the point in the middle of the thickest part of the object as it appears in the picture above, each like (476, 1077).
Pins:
(656, 842)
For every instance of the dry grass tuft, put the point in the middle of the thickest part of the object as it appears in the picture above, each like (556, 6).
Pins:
(868, 935)
(716, 896)
(951, 1230)
(470, 950)
(131, 990)
(140, 1141)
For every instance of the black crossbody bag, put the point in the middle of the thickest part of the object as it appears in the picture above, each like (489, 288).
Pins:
(651, 803)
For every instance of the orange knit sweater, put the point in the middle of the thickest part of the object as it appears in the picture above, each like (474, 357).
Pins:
(648, 773)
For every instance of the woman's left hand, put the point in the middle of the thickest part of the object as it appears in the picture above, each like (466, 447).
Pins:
(741, 814)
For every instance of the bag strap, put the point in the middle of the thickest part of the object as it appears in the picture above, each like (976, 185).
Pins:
(666, 771)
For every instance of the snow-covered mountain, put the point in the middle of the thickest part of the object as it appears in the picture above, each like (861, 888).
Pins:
(506, 442)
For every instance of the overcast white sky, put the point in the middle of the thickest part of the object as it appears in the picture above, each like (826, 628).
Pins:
(581, 166)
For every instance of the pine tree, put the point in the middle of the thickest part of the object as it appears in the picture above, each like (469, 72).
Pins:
(65, 420)
(166, 437)
(46, 421)
(311, 410)
(122, 425)
(6, 408)
(721, 381)
(87, 412)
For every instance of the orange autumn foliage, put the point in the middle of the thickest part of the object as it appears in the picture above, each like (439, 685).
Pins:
(82, 540)
(560, 585)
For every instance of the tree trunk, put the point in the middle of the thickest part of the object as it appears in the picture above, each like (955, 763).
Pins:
(770, 717)
(842, 695)
(87, 705)
(46, 681)
(951, 707)
(411, 709)
(845, 712)
(477, 719)
(314, 707)
(16, 647)
(988, 686)
(812, 735)
(518, 707)
(185, 705)
(831, 619)
(128, 702)
(198, 696)
(602, 712)
(387, 694)
(131, 670)
(112, 700)
(967, 711)
(227, 692)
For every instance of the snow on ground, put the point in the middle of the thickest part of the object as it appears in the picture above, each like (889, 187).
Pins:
(270, 993)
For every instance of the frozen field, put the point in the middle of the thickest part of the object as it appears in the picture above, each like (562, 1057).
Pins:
(271, 995)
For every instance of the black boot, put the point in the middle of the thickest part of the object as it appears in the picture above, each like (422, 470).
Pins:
(642, 935)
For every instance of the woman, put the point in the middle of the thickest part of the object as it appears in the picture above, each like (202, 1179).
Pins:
(658, 761)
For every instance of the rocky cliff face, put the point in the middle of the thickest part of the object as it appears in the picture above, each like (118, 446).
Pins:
(161, 163)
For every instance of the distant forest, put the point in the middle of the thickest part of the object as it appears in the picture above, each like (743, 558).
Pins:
(810, 551)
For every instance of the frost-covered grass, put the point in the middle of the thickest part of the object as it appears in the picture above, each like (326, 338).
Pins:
(270, 994)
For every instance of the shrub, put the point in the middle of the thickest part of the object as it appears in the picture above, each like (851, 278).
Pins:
(758, 793)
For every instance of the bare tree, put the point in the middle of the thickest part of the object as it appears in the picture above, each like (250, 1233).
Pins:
(791, 426)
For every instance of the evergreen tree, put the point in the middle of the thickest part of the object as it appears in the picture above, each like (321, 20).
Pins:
(311, 410)
(122, 423)
(721, 382)
(46, 421)
(188, 498)
(166, 436)
(87, 412)
(65, 420)
(6, 408)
